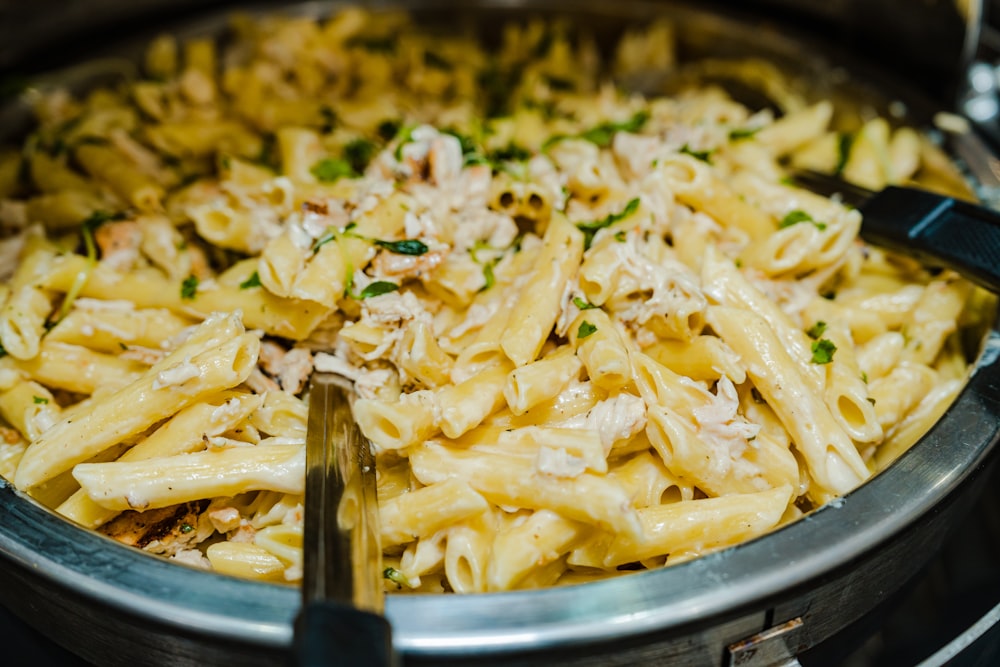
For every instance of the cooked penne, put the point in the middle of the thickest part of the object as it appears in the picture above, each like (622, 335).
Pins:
(589, 330)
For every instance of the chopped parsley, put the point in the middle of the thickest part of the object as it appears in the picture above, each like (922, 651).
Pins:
(510, 153)
(378, 287)
(864, 377)
(405, 136)
(489, 279)
(822, 351)
(98, 218)
(496, 87)
(816, 330)
(405, 247)
(268, 155)
(797, 216)
(329, 170)
(739, 133)
(39, 400)
(252, 281)
(581, 304)
(359, 153)
(471, 153)
(589, 229)
(586, 328)
(327, 236)
(603, 134)
(87, 229)
(620, 236)
(844, 143)
(387, 129)
(189, 287)
(329, 119)
(704, 156)
(396, 577)
(186, 528)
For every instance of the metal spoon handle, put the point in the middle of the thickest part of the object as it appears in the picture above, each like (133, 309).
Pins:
(342, 593)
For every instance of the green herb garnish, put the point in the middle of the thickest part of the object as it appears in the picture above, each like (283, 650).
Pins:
(405, 136)
(329, 170)
(822, 351)
(471, 153)
(186, 528)
(189, 287)
(510, 153)
(87, 229)
(797, 216)
(488, 277)
(816, 330)
(739, 133)
(329, 119)
(378, 287)
(589, 229)
(327, 236)
(397, 577)
(39, 400)
(405, 247)
(603, 134)
(252, 281)
(581, 304)
(704, 156)
(586, 328)
(387, 129)
(844, 143)
(359, 154)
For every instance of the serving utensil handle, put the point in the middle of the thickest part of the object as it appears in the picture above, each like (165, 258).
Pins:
(330, 634)
(940, 230)
(342, 587)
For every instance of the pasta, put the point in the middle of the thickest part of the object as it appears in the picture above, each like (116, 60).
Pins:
(591, 331)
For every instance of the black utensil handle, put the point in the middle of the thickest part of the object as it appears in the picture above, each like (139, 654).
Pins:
(329, 634)
(938, 230)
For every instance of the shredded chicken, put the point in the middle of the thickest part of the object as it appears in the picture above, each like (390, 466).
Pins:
(616, 419)
(119, 244)
(726, 431)
(291, 367)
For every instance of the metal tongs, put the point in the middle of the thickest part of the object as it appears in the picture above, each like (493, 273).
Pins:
(341, 621)
(936, 229)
